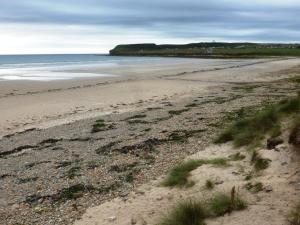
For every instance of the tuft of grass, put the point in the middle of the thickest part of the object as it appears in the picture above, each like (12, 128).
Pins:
(73, 192)
(222, 204)
(294, 215)
(259, 162)
(178, 176)
(100, 125)
(289, 106)
(177, 112)
(247, 131)
(237, 156)
(186, 213)
(254, 188)
(73, 172)
(295, 79)
(209, 184)
(139, 116)
(92, 164)
(195, 212)
(250, 130)
(249, 175)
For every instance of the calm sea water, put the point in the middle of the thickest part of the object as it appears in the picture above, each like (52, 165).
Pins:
(58, 67)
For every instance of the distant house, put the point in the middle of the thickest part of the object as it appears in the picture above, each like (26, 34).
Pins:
(209, 50)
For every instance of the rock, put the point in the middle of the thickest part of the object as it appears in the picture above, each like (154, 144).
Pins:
(139, 192)
(133, 221)
(159, 198)
(218, 182)
(294, 138)
(268, 188)
(124, 194)
(273, 142)
(281, 147)
(112, 218)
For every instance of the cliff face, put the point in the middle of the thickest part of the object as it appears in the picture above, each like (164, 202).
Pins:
(140, 49)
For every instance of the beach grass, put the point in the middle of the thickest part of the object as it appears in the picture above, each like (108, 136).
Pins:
(249, 131)
(186, 213)
(258, 161)
(178, 176)
(209, 184)
(222, 204)
(193, 212)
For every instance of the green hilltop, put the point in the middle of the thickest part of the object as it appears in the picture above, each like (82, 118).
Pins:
(209, 49)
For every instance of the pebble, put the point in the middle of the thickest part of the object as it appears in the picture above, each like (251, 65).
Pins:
(268, 188)
(218, 182)
(281, 147)
(15, 206)
(112, 218)
(159, 198)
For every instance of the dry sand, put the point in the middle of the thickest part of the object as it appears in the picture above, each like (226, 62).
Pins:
(150, 202)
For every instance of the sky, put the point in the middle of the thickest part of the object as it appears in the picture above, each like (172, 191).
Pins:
(96, 26)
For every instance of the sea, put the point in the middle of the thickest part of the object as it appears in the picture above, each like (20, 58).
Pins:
(62, 66)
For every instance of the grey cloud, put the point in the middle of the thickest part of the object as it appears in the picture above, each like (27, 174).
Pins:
(189, 18)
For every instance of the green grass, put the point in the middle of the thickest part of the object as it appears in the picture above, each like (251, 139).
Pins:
(193, 212)
(237, 156)
(186, 213)
(296, 79)
(259, 162)
(209, 184)
(178, 176)
(222, 204)
(249, 175)
(250, 130)
(254, 188)
(294, 215)
(100, 125)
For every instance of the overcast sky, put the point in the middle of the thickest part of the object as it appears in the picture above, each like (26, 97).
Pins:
(95, 26)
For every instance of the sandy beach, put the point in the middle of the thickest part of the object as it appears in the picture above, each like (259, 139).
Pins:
(71, 145)
(26, 104)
